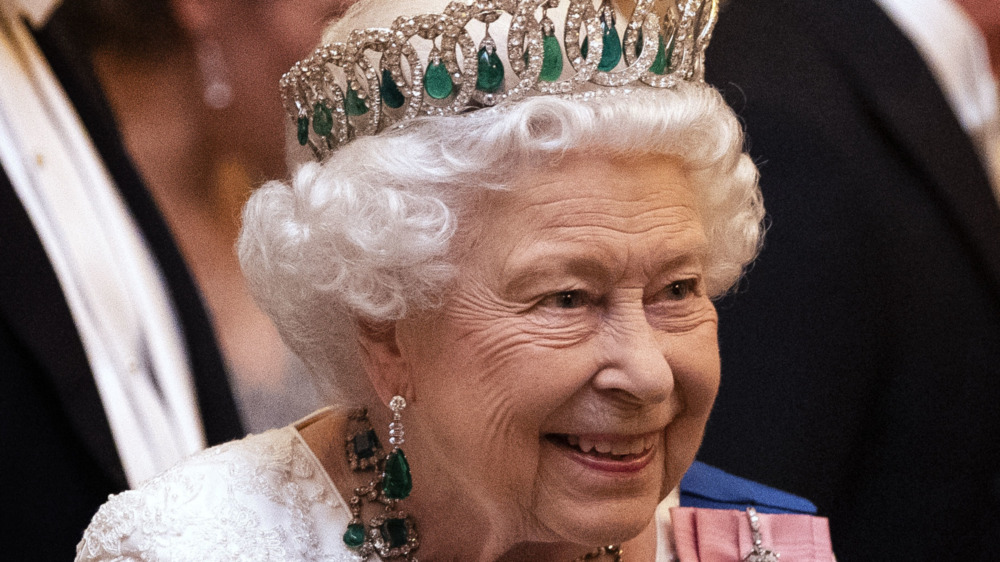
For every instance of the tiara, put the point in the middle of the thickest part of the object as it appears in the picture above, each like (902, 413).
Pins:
(376, 79)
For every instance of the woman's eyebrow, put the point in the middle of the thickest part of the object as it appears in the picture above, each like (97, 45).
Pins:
(523, 273)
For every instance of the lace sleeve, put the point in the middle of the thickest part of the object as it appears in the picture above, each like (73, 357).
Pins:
(107, 536)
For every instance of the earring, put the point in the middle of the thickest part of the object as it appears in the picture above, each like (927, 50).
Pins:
(396, 480)
(392, 532)
(218, 92)
(362, 446)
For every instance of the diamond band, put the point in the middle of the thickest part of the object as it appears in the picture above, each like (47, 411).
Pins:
(376, 79)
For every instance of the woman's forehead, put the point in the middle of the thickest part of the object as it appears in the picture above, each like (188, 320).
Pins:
(592, 208)
(589, 179)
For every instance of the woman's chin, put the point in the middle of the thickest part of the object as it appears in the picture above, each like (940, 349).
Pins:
(602, 523)
(616, 530)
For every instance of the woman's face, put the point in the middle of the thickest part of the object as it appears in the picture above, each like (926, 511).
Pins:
(563, 387)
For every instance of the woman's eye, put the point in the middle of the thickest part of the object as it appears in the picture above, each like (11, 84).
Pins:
(680, 290)
(566, 299)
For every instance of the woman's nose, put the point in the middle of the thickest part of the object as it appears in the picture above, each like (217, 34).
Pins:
(634, 366)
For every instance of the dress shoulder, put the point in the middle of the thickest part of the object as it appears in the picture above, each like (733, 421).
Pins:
(264, 497)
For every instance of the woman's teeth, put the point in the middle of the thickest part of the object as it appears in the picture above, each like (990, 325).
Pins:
(618, 446)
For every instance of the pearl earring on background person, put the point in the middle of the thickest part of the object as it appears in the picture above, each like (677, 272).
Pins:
(218, 92)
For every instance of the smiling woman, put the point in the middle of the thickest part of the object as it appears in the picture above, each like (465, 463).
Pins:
(560, 328)
(533, 282)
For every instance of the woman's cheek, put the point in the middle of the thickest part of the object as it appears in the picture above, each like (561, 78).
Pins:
(694, 359)
(682, 317)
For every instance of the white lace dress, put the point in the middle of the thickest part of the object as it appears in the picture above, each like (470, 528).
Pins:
(265, 497)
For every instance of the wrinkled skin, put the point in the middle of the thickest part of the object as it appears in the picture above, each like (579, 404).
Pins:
(579, 308)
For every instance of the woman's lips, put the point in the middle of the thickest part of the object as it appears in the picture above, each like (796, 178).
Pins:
(608, 453)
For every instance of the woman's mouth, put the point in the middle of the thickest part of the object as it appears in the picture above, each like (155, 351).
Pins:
(609, 453)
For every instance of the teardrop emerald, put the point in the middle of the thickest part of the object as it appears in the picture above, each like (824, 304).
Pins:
(611, 52)
(489, 72)
(355, 535)
(303, 130)
(322, 119)
(391, 96)
(552, 61)
(353, 104)
(662, 61)
(396, 481)
(437, 81)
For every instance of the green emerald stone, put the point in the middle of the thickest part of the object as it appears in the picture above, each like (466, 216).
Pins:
(611, 52)
(353, 104)
(489, 72)
(322, 119)
(365, 444)
(394, 532)
(391, 96)
(355, 535)
(662, 61)
(303, 130)
(396, 482)
(638, 43)
(437, 81)
(552, 61)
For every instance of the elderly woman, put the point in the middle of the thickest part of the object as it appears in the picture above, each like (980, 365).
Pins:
(522, 294)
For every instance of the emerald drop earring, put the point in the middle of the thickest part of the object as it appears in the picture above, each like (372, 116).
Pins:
(391, 533)
(396, 481)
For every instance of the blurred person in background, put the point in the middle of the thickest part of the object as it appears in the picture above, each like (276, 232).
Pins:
(863, 351)
(191, 85)
(111, 370)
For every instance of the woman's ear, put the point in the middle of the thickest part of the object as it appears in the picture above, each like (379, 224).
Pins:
(382, 359)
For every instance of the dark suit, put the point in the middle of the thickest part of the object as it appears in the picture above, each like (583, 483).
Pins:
(59, 461)
(861, 355)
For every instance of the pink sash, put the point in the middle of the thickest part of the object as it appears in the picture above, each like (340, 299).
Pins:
(723, 535)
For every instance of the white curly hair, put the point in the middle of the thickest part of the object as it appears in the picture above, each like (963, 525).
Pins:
(367, 234)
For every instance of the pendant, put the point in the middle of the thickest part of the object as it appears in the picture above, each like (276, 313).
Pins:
(489, 69)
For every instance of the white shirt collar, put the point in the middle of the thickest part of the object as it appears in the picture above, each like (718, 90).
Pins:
(38, 12)
(112, 284)
(955, 51)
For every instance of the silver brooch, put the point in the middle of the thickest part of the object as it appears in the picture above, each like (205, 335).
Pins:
(759, 553)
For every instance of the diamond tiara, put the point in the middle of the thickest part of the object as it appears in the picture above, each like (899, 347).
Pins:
(376, 79)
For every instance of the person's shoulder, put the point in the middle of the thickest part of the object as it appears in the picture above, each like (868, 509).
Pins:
(710, 487)
(264, 495)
